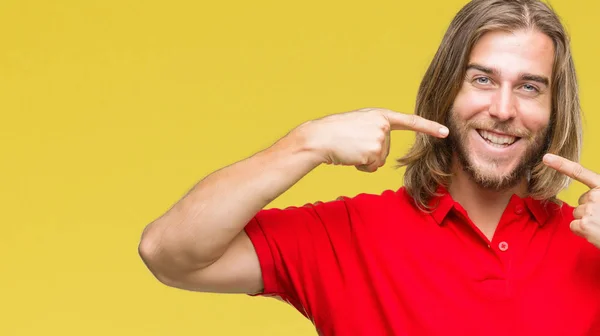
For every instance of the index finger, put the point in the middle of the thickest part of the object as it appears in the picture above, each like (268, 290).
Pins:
(573, 170)
(401, 121)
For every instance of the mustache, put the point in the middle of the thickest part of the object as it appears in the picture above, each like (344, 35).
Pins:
(500, 127)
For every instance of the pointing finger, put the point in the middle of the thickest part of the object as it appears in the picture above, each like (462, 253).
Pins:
(401, 121)
(573, 170)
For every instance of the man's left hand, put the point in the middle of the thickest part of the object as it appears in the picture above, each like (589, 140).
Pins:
(587, 215)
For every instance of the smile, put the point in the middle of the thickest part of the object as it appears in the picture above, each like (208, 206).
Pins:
(497, 140)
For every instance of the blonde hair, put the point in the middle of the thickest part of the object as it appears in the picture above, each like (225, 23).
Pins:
(428, 161)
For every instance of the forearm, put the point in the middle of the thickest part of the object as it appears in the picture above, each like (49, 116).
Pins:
(197, 230)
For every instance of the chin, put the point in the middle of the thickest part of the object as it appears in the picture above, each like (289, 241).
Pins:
(494, 168)
(494, 176)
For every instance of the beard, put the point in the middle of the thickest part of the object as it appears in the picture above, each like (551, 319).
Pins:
(487, 178)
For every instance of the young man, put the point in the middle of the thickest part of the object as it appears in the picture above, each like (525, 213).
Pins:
(474, 243)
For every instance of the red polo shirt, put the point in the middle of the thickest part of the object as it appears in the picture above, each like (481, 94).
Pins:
(376, 265)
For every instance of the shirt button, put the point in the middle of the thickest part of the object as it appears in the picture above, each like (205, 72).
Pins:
(503, 246)
(519, 209)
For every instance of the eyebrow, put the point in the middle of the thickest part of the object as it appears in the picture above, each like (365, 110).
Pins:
(524, 76)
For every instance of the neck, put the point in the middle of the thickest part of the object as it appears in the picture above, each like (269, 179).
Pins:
(484, 206)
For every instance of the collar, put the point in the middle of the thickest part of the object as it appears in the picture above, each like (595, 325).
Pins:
(442, 203)
(541, 209)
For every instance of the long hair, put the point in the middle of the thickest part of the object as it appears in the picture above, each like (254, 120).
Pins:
(428, 161)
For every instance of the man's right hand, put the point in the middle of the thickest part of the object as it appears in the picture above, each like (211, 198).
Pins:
(362, 138)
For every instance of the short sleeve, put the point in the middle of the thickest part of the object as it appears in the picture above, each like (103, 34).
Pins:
(299, 250)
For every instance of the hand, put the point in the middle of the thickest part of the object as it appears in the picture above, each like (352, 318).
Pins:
(587, 215)
(362, 138)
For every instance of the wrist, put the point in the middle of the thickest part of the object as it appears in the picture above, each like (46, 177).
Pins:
(302, 141)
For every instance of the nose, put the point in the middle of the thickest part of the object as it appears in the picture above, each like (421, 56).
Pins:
(503, 103)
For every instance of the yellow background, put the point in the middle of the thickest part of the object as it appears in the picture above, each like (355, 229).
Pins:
(111, 110)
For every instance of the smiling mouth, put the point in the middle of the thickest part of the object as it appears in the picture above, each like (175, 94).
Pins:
(497, 140)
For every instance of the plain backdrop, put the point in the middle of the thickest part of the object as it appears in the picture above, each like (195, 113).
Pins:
(111, 110)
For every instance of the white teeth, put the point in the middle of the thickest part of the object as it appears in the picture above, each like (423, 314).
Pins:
(499, 140)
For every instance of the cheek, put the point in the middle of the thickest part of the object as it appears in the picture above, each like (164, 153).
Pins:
(535, 116)
(469, 102)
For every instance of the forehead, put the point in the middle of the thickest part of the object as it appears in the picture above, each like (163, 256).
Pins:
(515, 52)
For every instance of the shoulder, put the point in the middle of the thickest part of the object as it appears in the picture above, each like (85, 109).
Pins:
(388, 195)
(384, 208)
(343, 211)
(385, 199)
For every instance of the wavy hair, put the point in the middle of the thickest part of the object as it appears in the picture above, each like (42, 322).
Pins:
(428, 161)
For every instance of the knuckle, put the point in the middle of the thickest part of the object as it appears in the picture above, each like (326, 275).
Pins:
(577, 171)
(589, 211)
(574, 227)
(413, 120)
(364, 160)
(560, 167)
(577, 212)
(587, 196)
(584, 225)
(375, 113)
(593, 196)
(385, 127)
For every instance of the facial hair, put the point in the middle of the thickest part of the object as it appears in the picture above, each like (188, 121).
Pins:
(458, 142)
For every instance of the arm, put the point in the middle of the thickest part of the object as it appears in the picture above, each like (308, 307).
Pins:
(199, 244)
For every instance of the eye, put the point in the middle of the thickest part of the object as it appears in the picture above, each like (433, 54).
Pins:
(482, 80)
(530, 88)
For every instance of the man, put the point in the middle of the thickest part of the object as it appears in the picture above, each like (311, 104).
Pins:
(476, 241)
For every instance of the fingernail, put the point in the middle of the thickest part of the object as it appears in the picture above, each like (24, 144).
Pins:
(444, 131)
(548, 158)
